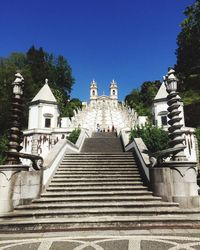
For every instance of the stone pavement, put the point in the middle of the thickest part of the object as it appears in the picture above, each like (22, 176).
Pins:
(155, 239)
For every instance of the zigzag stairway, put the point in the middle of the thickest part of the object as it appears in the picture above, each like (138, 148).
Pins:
(100, 188)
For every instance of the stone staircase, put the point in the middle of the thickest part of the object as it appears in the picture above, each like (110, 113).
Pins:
(102, 142)
(98, 190)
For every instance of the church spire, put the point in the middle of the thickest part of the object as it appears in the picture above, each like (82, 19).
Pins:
(113, 90)
(93, 90)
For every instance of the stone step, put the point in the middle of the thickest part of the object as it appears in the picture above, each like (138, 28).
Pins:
(95, 184)
(99, 223)
(93, 171)
(117, 164)
(99, 164)
(104, 135)
(97, 199)
(102, 145)
(89, 183)
(95, 175)
(113, 159)
(100, 168)
(96, 180)
(93, 193)
(78, 212)
(96, 188)
(97, 167)
(98, 172)
(101, 160)
(101, 154)
(100, 204)
(99, 157)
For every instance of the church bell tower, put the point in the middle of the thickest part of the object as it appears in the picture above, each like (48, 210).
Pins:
(113, 90)
(93, 90)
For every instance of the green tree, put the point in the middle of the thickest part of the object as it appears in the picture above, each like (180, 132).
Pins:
(142, 99)
(63, 74)
(148, 91)
(188, 51)
(155, 138)
(73, 137)
(3, 147)
(188, 63)
(37, 64)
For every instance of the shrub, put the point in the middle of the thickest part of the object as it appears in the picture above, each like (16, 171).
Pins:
(73, 137)
(3, 147)
(155, 138)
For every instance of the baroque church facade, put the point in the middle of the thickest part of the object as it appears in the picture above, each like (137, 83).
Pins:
(102, 112)
(106, 113)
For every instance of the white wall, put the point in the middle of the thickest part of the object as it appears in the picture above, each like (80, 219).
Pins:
(37, 115)
(162, 106)
(33, 117)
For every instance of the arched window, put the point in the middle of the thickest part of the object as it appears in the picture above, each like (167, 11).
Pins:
(113, 92)
(93, 92)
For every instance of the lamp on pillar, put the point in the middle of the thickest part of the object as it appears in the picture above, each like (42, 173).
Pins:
(175, 179)
(13, 170)
(16, 135)
(175, 132)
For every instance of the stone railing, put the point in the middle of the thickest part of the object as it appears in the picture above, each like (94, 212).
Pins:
(140, 150)
(41, 141)
(52, 161)
(191, 150)
(20, 184)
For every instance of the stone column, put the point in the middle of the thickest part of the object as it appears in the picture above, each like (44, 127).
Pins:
(9, 172)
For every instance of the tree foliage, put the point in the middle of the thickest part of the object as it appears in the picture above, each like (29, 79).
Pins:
(3, 147)
(142, 99)
(155, 138)
(188, 63)
(36, 65)
(73, 137)
(188, 51)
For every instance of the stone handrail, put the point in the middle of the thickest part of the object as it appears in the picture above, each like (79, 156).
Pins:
(85, 133)
(158, 157)
(139, 148)
(52, 161)
(37, 161)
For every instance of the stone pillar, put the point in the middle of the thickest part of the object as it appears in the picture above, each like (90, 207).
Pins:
(8, 177)
(161, 182)
(16, 135)
(176, 182)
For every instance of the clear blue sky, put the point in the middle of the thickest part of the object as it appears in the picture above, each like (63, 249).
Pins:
(130, 41)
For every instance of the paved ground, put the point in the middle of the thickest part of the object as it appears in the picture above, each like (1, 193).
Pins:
(104, 240)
